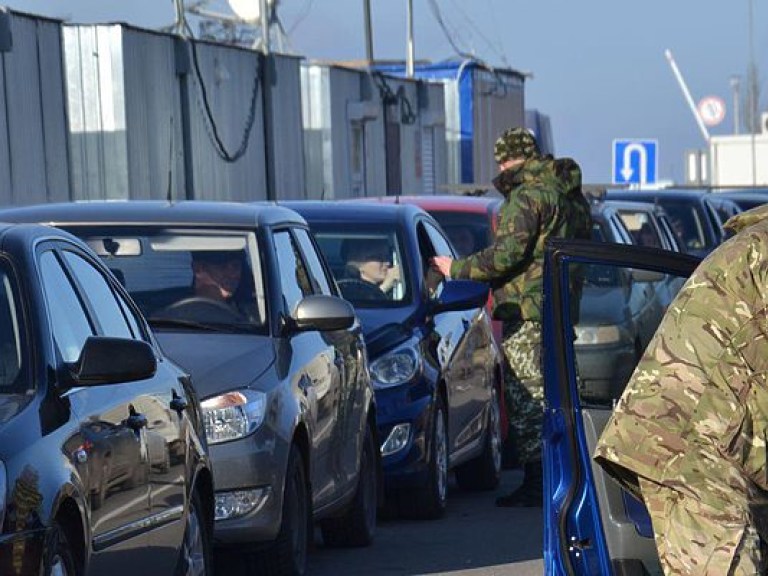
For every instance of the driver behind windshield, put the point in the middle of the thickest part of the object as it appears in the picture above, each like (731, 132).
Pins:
(370, 261)
(218, 275)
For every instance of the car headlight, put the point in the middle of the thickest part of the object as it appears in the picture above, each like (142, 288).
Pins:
(395, 368)
(233, 415)
(597, 335)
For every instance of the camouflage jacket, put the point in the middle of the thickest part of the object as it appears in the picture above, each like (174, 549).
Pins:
(694, 415)
(542, 199)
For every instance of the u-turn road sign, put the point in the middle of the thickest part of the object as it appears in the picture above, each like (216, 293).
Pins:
(634, 161)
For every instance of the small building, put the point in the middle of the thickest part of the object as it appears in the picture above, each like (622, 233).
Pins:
(371, 134)
(735, 160)
(480, 103)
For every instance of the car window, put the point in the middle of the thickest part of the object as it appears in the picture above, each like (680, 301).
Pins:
(69, 322)
(295, 281)
(107, 311)
(469, 232)
(186, 275)
(439, 243)
(316, 269)
(361, 256)
(13, 360)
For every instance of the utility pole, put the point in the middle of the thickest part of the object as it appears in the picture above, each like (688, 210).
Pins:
(368, 33)
(409, 42)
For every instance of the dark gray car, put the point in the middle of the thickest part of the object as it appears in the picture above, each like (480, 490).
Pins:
(240, 296)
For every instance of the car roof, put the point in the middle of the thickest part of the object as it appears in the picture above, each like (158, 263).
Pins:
(675, 193)
(351, 211)
(444, 202)
(155, 212)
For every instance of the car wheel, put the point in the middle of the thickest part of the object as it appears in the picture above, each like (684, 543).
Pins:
(484, 472)
(358, 525)
(59, 559)
(430, 501)
(288, 554)
(195, 553)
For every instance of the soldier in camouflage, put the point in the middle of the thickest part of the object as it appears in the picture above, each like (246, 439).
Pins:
(688, 435)
(542, 199)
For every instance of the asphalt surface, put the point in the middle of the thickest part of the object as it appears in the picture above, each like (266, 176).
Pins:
(474, 538)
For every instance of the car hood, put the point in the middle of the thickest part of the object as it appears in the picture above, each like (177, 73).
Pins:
(385, 328)
(602, 305)
(11, 404)
(219, 362)
(746, 219)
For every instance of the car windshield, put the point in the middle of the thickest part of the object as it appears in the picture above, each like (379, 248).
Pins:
(367, 263)
(184, 278)
(13, 358)
(468, 231)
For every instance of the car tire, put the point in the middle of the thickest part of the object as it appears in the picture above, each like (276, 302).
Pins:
(59, 559)
(484, 472)
(287, 555)
(195, 555)
(430, 502)
(357, 526)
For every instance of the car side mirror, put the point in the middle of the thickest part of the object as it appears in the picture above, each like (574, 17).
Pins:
(105, 360)
(459, 295)
(324, 313)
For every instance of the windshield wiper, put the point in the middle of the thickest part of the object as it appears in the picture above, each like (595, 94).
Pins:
(225, 327)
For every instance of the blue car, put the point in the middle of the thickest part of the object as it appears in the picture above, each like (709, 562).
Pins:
(591, 526)
(435, 366)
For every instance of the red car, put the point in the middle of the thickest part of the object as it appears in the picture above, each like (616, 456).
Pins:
(469, 222)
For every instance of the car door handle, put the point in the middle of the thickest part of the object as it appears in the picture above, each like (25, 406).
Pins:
(136, 421)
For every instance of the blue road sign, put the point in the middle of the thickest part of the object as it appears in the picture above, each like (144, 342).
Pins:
(635, 161)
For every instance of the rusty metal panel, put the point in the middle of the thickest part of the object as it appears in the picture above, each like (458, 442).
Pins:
(286, 138)
(33, 154)
(155, 156)
(232, 80)
(93, 58)
(498, 99)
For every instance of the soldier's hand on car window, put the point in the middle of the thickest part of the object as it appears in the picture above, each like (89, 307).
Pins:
(442, 264)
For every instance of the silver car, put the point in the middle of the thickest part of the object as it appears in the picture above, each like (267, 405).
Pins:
(240, 296)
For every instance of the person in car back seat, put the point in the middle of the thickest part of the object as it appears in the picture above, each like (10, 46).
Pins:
(542, 199)
(688, 435)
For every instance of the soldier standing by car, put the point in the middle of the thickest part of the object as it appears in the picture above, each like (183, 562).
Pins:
(688, 434)
(542, 199)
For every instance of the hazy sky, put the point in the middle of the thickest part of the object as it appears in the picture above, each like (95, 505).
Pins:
(598, 66)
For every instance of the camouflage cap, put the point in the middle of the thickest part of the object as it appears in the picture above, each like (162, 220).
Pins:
(515, 143)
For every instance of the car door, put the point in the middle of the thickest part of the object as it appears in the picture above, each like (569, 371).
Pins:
(118, 490)
(160, 402)
(466, 371)
(314, 370)
(591, 526)
(349, 357)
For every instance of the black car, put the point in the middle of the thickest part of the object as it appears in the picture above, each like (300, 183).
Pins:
(80, 375)
(619, 310)
(696, 219)
(435, 365)
(240, 295)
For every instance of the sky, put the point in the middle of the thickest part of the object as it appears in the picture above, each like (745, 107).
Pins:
(598, 66)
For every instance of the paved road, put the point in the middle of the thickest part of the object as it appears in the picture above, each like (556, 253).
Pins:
(473, 539)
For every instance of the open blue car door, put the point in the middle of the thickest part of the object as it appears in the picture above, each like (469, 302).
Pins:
(601, 307)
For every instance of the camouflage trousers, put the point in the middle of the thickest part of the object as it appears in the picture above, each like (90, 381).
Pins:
(693, 538)
(521, 343)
